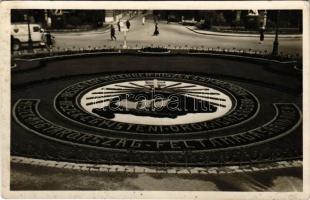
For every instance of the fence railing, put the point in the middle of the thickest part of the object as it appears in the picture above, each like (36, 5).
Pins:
(172, 49)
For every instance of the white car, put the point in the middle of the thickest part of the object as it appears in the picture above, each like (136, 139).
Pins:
(20, 35)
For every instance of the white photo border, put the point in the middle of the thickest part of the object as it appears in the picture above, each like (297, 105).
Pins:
(5, 95)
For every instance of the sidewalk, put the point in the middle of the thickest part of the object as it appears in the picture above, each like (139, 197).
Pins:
(204, 32)
(81, 31)
(78, 30)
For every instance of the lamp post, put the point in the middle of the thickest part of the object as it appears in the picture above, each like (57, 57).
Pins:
(125, 38)
(46, 18)
(30, 44)
(275, 49)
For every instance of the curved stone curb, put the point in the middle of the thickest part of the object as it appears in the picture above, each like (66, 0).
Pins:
(157, 170)
(154, 53)
(25, 65)
(213, 33)
(158, 53)
(245, 57)
(13, 65)
(298, 69)
(68, 56)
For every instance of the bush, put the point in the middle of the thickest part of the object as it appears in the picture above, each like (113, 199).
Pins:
(236, 24)
(204, 24)
(220, 20)
(74, 21)
(252, 23)
(270, 25)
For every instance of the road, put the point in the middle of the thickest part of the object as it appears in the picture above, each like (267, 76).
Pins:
(175, 35)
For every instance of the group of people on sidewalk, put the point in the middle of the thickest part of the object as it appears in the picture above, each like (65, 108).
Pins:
(112, 29)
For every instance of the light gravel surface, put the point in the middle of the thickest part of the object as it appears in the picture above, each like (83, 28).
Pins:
(27, 177)
(173, 34)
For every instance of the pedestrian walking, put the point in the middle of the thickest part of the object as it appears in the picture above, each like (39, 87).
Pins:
(112, 32)
(262, 30)
(143, 20)
(48, 39)
(119, 25)
(128, 24)
(155, 18)
(156, 31)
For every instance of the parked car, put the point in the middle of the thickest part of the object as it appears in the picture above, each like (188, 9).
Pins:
(189, 21)
(20, 35)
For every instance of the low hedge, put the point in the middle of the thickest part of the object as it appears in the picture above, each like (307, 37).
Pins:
(246, 53)
(154, 49)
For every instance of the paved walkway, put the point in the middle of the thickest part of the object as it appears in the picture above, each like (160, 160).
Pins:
(67, 177)
(173, 36)
(204, 32)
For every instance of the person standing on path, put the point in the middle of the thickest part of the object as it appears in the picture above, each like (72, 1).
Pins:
(262, 30)
(156, 31)
(48, 39)
(112, 32)
(119, 25)
(143, 20)
(128, 24)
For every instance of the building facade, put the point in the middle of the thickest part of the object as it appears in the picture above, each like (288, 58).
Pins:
(67, 19)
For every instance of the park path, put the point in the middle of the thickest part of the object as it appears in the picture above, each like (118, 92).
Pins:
(173, 36)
